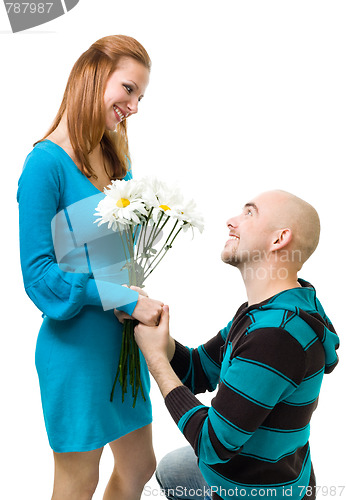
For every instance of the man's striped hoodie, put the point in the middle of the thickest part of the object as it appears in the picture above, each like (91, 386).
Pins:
(268, 364)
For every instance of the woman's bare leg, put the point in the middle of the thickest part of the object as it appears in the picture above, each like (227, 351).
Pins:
(76, 475)
(134, 464)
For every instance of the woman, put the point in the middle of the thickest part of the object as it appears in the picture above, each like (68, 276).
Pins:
(79, 341)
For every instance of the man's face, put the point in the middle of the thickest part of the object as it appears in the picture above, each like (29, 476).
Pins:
(251, 232)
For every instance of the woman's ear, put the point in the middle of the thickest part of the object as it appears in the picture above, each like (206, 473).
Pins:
(281, 238)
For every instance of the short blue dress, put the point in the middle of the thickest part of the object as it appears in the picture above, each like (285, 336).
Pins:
(73, 272)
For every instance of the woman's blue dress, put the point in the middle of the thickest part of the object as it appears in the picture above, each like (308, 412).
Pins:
(73, 272)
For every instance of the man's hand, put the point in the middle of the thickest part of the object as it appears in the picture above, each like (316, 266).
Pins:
(156, 345)
(147, 311)
(153, 341)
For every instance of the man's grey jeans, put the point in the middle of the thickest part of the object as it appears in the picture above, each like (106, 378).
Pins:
(180, 478)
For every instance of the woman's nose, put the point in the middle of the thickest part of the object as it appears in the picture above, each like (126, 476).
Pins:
(132, 105)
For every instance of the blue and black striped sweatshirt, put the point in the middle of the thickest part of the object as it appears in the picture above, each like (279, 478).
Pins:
(269, 363)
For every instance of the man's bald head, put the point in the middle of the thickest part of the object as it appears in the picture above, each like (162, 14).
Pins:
(289, 211)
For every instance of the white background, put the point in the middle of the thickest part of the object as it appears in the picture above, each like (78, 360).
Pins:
(245, 96)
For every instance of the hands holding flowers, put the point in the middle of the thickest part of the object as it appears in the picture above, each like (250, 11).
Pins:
(156, 345)
(139, 211)
(147, 311)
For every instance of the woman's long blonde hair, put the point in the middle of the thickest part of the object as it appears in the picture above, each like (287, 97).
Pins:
(84, 105)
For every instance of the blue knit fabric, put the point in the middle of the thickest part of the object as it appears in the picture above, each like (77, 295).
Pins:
(72, 271)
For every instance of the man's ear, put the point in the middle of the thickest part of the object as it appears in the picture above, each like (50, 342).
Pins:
(281, 238)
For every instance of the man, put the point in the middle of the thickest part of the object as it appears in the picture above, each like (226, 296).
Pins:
(269, 363)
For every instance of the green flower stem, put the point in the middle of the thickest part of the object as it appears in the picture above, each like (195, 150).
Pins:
(131, 268)
(140, 258)
(128, 240)
(129, 362)
(176, 234)
(138, 382)
(153, 234)
(163, 246)
(128, 371)
(122, 241)
(158, 229)
(154, 231)
(143, 231)
(167, 247)
(135, 232)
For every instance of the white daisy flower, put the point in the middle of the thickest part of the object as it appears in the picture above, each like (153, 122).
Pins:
(122, 206)
(162, 199)
(148, 188)
(190, 218)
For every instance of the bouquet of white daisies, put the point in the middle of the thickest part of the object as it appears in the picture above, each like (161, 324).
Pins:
(141, 211)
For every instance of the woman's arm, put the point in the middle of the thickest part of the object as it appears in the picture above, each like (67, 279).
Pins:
(58, 294)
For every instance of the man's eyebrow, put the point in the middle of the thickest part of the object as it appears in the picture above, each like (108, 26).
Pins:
(252, 205)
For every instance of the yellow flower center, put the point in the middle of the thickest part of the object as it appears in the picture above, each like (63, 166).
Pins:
(122, 203)
(164, 207)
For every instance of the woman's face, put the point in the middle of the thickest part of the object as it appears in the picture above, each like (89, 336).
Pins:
(124, 89)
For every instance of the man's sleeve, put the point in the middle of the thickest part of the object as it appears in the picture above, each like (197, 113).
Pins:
(266, 369)
(199, 369)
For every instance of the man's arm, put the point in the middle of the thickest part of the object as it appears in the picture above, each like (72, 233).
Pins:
(269, 367)
(198, 369)
(158, 348)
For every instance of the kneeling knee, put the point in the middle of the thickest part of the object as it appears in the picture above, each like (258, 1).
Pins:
(176, 467)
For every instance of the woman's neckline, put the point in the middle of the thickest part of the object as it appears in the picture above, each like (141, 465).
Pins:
(74, 163)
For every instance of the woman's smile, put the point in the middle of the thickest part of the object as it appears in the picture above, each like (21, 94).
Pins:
(119, 114)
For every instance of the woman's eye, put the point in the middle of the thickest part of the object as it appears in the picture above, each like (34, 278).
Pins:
(249, 211)
(128, 89)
